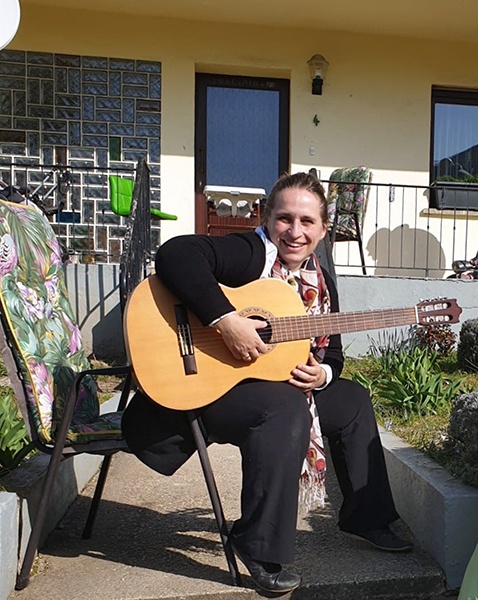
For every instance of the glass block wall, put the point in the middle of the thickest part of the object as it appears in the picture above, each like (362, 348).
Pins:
(96, 115)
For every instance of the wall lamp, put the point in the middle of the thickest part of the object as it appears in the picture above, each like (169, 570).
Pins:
(317, 67)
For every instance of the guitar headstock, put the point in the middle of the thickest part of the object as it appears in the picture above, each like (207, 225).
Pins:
(438, 312)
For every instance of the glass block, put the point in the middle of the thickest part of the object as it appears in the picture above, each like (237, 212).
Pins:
(148, 118)
(68, 113)
(15, 69)
(155, 169)
(74, 133)
(154, 151)
(26, 124)
(12, 83)
(115, 250)
(147, 66)
(94, 179)
(10, 136)
(94, 76)
(94, 62)
(5, 102)
(135, 91)
(111, 219)
(19, 104)
(114, 84)
(56, 126)
(135, 78)
(67, 60)
(115, 148)
(13, 149)
(101, 236)
(95, 88)
(82, 153)
(95, 141)
(12, 55)
(135, 155)
(120, 64)
(108, 102)
(47, 155)
(33, 144)
(102, 158)
(33, 91)
(120, 129)
(43, 72)
(74, 81)
(67, 100)
(54, 139)
(81, 164)
(95, 192)
(88, 108)
(41, 111)
(40, 58)
(148, 131)
(154, 86)
(46, 92)
(108, 115)
(135, 143)
(95, 128)
(148, 105)
(61, 81)
(128, 111)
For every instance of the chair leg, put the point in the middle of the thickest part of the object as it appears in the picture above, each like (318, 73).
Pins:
(23, 576)
(95, 502)
(214, 495)
(359, 240)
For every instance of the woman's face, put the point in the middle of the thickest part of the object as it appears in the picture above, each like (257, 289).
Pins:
(295, 225)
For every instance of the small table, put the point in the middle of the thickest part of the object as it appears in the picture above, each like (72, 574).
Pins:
(237, 201)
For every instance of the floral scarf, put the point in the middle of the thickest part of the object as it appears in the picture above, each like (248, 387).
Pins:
(310, 284)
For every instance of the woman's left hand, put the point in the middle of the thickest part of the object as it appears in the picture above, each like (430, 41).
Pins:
(310, 376)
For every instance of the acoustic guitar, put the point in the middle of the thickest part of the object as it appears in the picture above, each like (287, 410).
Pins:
(181, 364)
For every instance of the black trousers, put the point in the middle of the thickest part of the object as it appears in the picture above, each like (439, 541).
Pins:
(270, 423)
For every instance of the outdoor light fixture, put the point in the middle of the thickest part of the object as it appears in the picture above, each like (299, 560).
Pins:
(318, 67)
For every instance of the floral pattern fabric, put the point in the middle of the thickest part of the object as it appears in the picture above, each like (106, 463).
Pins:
(34, 302)
(348, 194)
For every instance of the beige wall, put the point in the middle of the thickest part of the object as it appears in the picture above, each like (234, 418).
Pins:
(375, 107)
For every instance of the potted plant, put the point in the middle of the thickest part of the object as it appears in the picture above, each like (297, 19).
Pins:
(455, 194)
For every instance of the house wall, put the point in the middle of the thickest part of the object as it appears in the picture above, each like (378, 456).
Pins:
(375, 107)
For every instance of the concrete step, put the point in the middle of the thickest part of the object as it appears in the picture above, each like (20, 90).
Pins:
(155, 539)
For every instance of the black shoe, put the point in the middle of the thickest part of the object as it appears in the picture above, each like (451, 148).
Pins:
(383, 539)
(269, 577)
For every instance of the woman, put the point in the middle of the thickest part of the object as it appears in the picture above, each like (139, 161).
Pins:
(258, 416)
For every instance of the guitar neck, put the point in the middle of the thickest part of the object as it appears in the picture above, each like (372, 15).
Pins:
(286, 329)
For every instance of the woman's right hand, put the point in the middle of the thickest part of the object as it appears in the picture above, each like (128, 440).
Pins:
(241, 337)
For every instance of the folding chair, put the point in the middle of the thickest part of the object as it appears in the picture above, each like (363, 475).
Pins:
(50, 373)
(347, 202)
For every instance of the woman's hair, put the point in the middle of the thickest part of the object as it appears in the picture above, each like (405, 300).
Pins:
(303, 181)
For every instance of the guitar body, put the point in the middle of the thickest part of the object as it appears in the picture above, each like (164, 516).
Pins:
(153, 349)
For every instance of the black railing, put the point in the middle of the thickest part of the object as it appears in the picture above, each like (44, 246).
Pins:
(135, 260)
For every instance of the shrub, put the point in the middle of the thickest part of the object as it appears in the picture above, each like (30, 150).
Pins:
(14, 442)
(467, 353)
(462, 440)
(435, 338)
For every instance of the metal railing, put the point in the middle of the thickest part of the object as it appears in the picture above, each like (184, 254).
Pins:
(405, 235)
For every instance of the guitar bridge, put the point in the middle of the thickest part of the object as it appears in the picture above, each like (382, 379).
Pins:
(186, 347)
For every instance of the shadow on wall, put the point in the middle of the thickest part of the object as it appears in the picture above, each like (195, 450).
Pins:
(107, 337)
(407, 252)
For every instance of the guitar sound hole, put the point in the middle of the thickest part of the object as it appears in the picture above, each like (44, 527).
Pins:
(266, 333)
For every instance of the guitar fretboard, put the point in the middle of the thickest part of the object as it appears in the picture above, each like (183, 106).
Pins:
(286, 329)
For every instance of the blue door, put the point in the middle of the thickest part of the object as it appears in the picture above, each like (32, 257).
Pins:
(242, 133)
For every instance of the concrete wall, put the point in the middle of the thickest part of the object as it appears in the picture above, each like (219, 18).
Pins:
(94, 293)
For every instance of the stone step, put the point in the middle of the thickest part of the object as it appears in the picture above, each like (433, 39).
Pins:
(155, 539)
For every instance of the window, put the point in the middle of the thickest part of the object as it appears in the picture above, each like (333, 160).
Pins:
(454, 147)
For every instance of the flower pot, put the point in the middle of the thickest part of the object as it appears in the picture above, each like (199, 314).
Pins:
(454, 195)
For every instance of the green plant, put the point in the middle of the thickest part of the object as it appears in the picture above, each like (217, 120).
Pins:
(435, 338)
(467, 352)
(14, 441)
